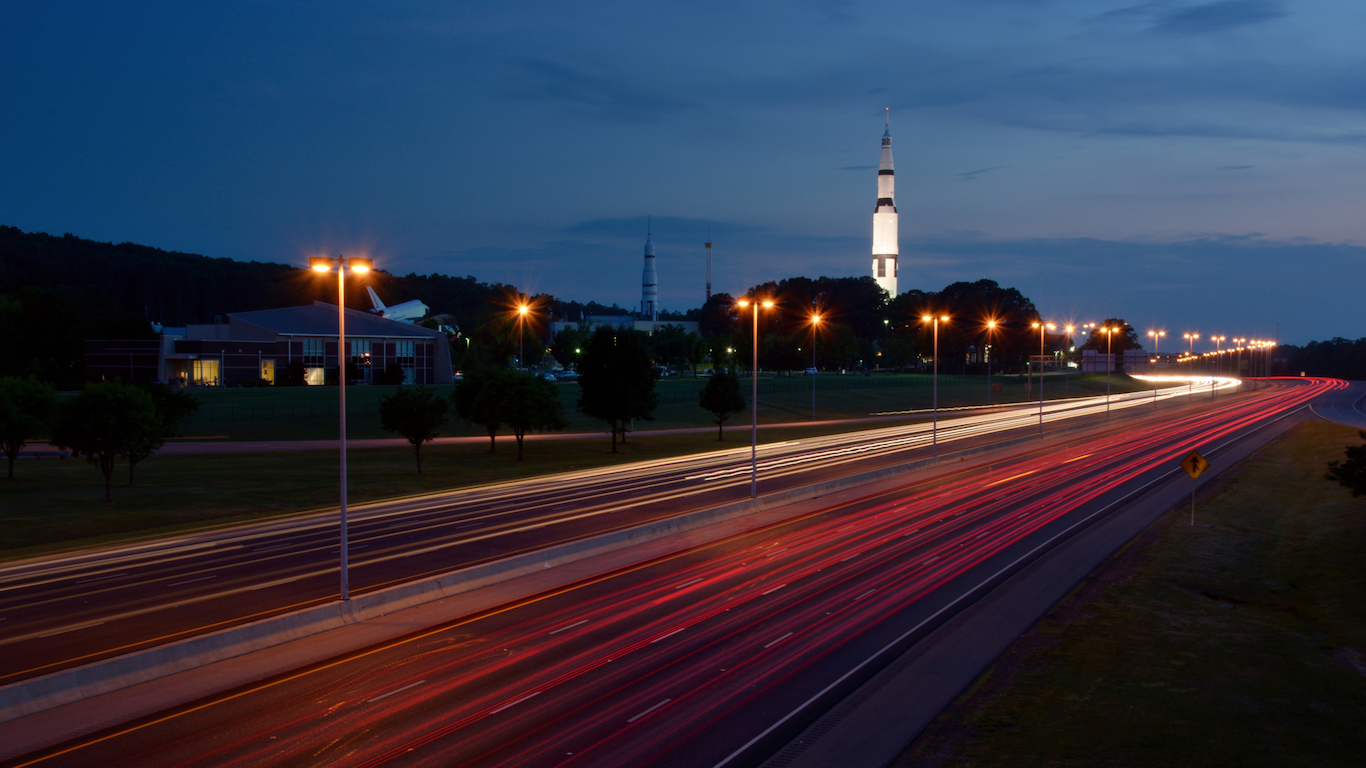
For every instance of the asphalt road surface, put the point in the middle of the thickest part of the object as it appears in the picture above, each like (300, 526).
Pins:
(712, 657)
(69, 609)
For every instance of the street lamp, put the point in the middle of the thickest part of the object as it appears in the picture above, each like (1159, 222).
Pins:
(934, 426)
(991, 332)
(1109, 363)
(1042, 326)
(522, 310)
(1156, 336)
(754, 400)
(360, 266)
(815, 321)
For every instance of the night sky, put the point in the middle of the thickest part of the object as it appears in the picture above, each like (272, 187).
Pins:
(1184, 165)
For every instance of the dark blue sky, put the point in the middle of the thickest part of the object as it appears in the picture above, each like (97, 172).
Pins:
(1184, 165)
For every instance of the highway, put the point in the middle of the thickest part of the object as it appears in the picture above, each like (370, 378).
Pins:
(69, 609)
(712, 657)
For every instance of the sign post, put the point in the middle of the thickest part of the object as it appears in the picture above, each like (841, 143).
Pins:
(1195, 465)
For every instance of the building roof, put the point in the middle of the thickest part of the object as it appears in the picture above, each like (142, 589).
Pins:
(320, 319)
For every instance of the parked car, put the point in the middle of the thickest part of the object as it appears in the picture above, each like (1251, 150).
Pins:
(567, 375)
(809, 372)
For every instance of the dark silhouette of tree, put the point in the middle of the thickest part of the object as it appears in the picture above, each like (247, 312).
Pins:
(1351, 473)
(1123, 341)
(26, 408)
(478, 401)
(721, 396)
(415, 413)
(718, 316)
(103, 421)
(530, 403)
(617, 381)
(171, 405)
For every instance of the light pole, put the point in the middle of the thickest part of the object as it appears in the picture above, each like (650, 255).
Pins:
(522, 310)
(1109, 363)
(1156, 336)
(815, 321)
(359, 266)
(754, 399)
(1066, 366)
(1042, 326)
(991, 332)
(934, 425)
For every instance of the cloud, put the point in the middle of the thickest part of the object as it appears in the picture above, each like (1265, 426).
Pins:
(610, 96)
(1219, 17)
(1235, 167)
(972, 175)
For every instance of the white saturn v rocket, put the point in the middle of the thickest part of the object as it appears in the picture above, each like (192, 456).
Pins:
(885, 248)
(649, 283)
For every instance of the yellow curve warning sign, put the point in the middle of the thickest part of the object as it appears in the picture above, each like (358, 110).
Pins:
(1194, 464)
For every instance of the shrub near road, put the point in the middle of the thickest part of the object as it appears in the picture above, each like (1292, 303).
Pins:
(1238, 643)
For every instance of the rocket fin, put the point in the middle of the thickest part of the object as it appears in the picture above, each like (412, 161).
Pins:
(374, 299)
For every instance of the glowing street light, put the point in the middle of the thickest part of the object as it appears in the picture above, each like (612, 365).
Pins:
(522, 310)
(1042, 326)
(986, 353)
(815, 321)
(934, 425)
(1109, 363)
(360, 266)
(754, 399)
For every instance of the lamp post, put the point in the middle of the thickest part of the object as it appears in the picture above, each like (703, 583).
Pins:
(1067, 366)
(1109, 363)
(991, 331)
(1042, 326)
(359, 266)
(934, 425)
(522, 310)
(1156, 336)
(815, 321)
(754, 399)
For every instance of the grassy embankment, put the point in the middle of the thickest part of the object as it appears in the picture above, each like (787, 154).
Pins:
(305, 413)
(59, 502)
(1238, 642)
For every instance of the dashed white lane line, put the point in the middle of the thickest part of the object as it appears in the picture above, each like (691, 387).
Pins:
(771, 554)
(779, 640)
(931, 560)
(908, 533)
(193, 581)
(70, 629)
(396, 690)
(851, 557)
(775, 589)
(671, 634)
(690, 583)
(648, 711)
(514, 702)
(865, 594)
(273, 583)
(569, 627)
(101, 578)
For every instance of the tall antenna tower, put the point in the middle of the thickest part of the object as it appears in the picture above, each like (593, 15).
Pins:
(708, 244)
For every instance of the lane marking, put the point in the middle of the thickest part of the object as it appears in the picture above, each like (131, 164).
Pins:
(71, 629)
(690, 583)
(396, 690)
(931, 560)
(851, 557)
(514, 702)
(193, 581)
(865, 594)
(779, 552)
(671, 634)
(779, 640)
(273, 583)
(102, 578)
(775, 589)
(908, 533)
(648, 711)
(571, 626)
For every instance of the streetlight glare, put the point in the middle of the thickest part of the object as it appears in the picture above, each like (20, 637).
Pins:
(361, 265)
(742, 303)
(320, 263)
(944, 319)
(768, 303)
(926, 318)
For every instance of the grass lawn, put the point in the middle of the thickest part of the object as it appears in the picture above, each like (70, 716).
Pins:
(307, 413)
(53, 502)
(1241, 644)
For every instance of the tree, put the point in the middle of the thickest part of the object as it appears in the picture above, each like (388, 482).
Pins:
(26, 407)
(414, 413)
(1351, 474)
(103, 421)
(530, 403)
(722, 397)
(617, 380)
(1125, 339)
(171, 406)
(478, 400)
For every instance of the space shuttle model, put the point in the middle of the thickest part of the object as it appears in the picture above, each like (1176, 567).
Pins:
(407, 312)
(885, 248)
